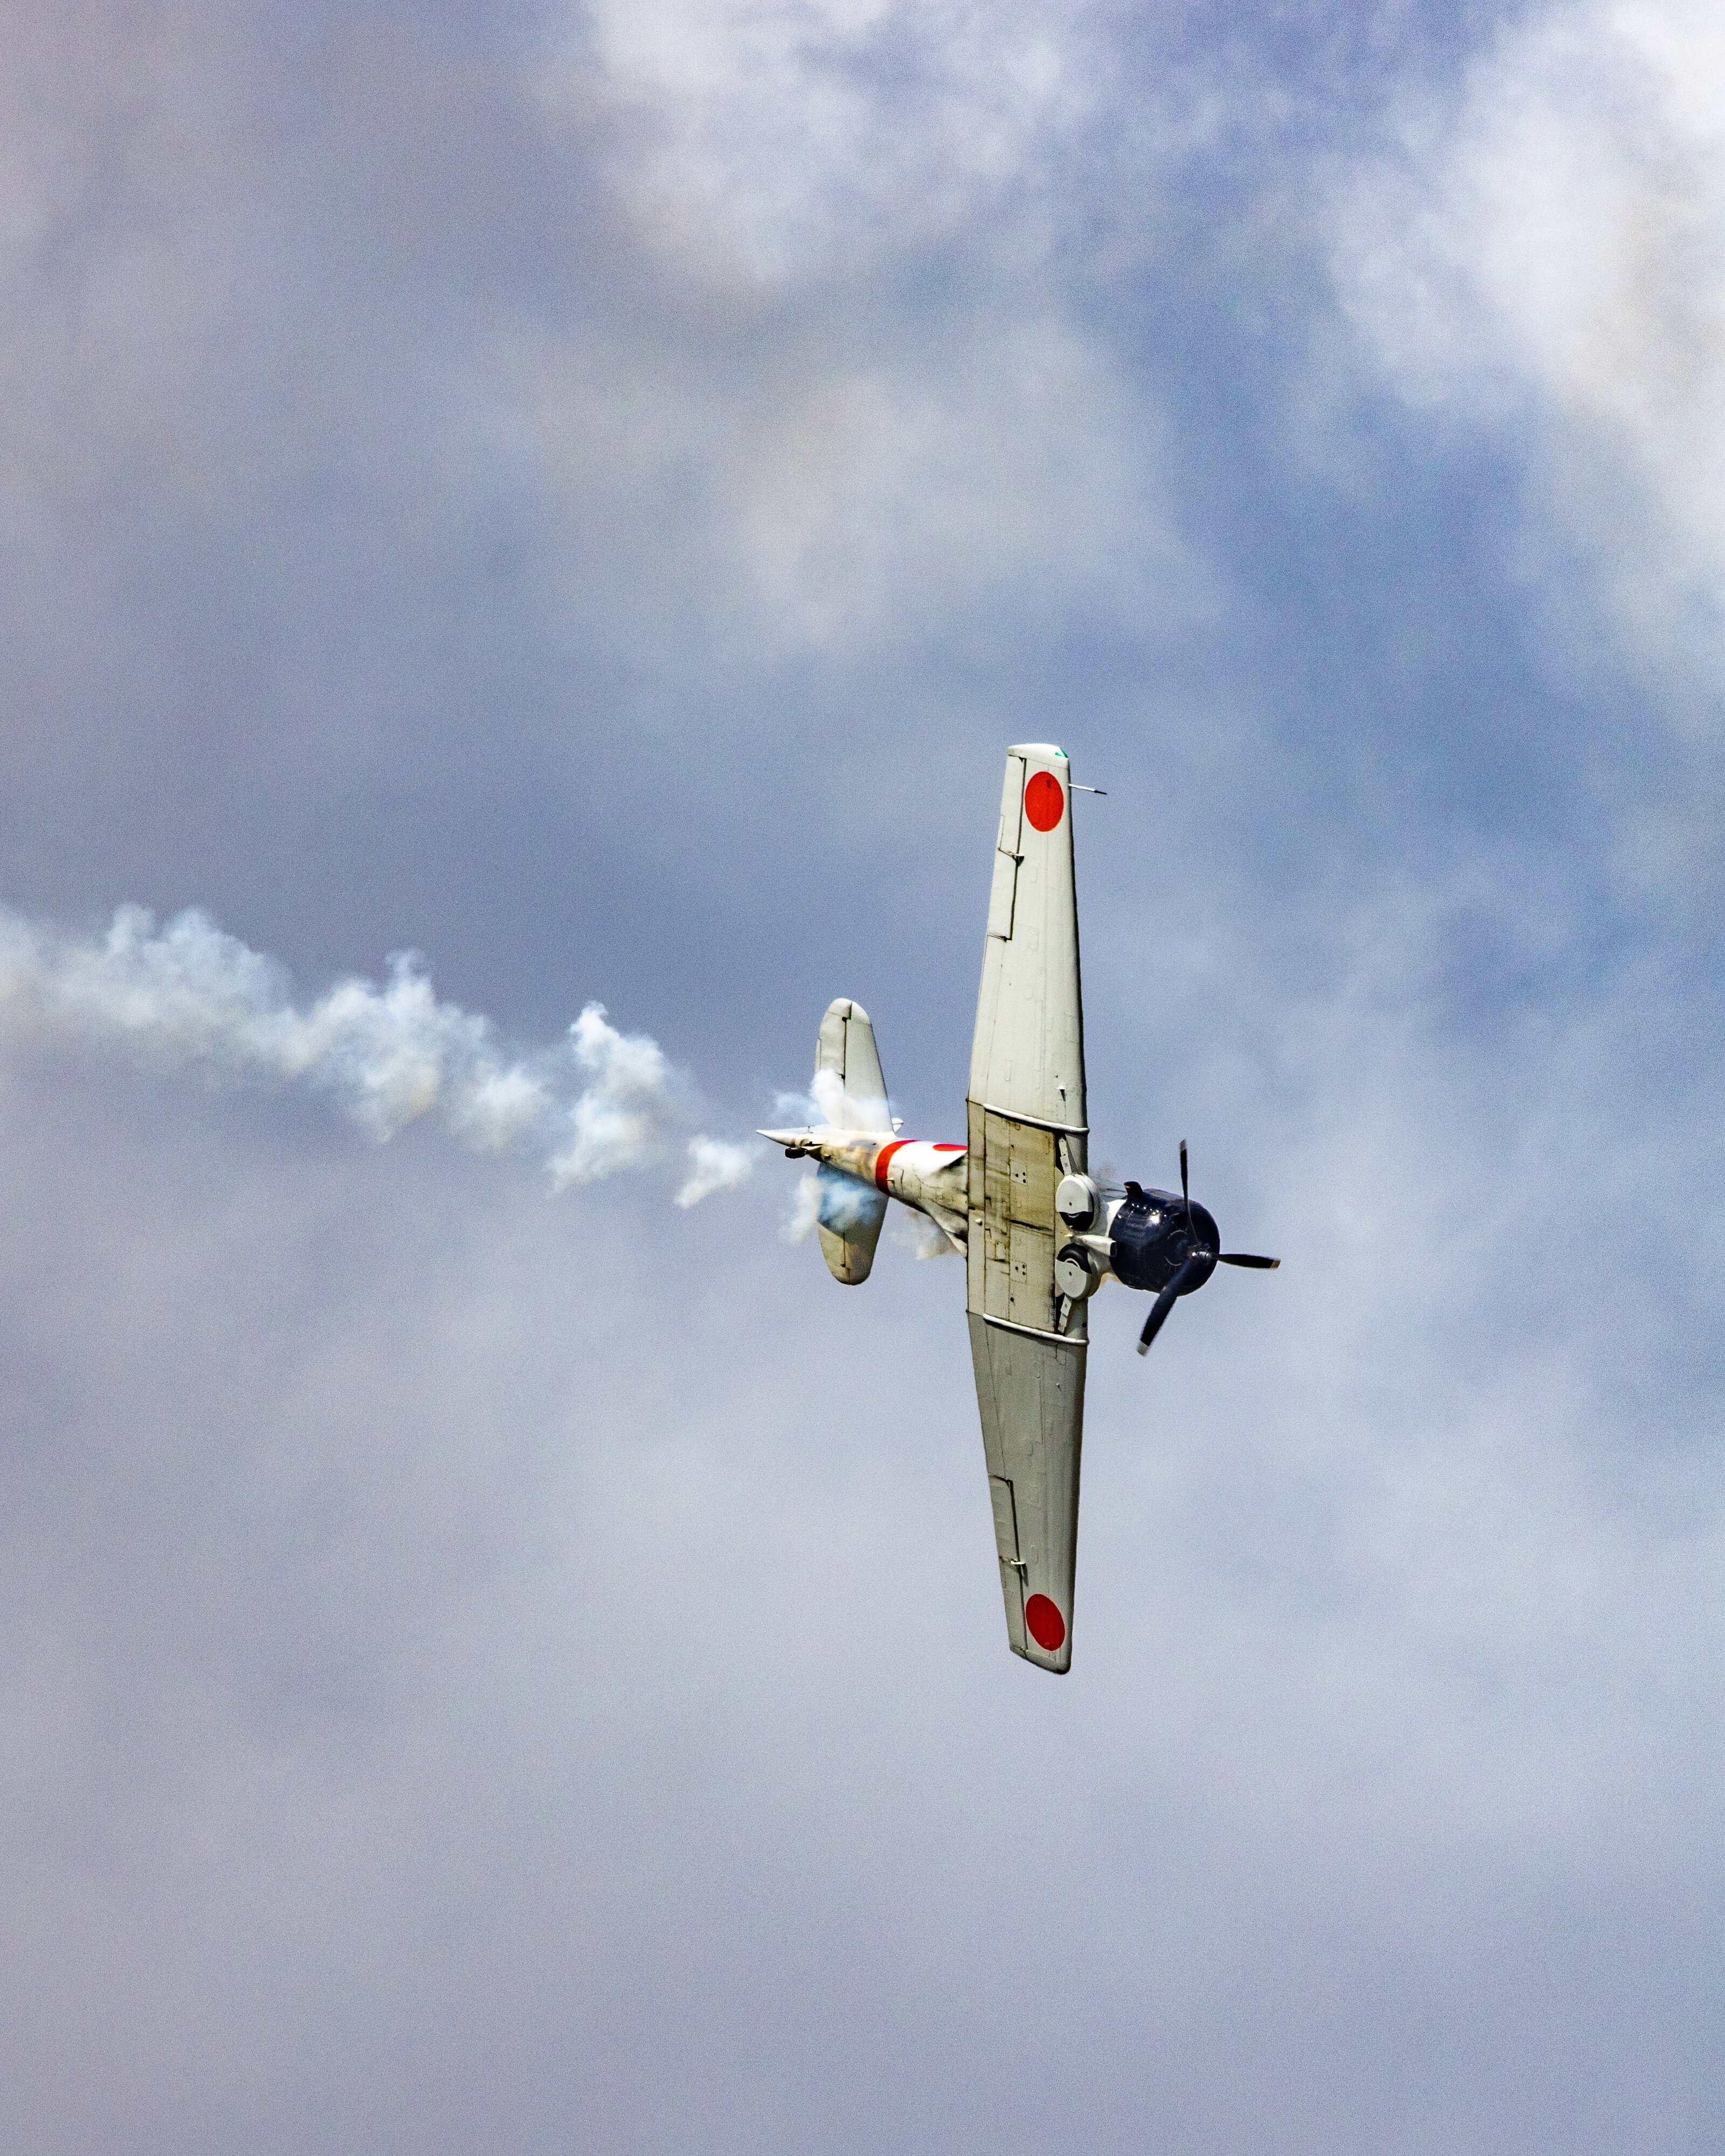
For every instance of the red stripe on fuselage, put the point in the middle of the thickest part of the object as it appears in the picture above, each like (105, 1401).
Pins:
(883, 1156)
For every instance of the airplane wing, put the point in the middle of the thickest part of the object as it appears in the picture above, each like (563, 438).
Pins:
(1027, 1128)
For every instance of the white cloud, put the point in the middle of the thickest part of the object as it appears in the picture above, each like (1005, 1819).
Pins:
(870, 491)
(880, 190)
(783, 131)
(1546, 253)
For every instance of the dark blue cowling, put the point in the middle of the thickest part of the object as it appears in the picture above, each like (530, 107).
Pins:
(1149, 1240)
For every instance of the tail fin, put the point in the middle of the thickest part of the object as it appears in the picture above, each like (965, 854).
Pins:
(851, 1094)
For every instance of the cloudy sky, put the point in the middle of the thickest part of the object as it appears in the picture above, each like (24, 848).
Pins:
(493, 1659)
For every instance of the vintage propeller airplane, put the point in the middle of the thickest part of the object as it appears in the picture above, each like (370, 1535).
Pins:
(1040, 1235)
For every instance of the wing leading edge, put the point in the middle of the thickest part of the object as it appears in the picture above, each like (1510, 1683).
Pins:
(1028, 1127)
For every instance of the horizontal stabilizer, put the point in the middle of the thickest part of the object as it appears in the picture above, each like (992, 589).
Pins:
(848, 1089)
(849, 1221)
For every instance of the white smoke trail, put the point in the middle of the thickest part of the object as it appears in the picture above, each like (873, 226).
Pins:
(828, 1106)
(599, 1102)
(803, 1213)
(843, 1110)
(917, 1233)
(824, 1198)
(716, 1164)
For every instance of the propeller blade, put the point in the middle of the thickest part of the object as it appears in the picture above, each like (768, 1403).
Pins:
(1243, 1258)
(1186, 1189)
(1163, 1305)
(1153, 1323)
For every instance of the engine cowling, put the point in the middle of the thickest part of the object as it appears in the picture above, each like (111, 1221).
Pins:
(1151, 1237)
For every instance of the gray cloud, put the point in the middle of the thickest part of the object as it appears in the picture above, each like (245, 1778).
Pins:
(1539, 249)
(590, 499)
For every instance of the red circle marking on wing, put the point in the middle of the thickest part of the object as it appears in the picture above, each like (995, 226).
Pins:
(1045, 803)
(1044, 1623)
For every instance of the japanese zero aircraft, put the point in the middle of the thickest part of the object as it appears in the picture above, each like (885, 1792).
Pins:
(1039, 1233)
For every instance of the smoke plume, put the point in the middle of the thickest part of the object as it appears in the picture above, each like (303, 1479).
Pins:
(599, 1102)
(824, 1198)
(841, 1110)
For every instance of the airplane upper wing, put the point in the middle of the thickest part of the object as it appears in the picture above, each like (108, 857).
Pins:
(1027, 1128)
(1028, 1056)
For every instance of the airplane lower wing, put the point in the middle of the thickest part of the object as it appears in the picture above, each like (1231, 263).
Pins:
(1027, 1116)
(1031, 1389)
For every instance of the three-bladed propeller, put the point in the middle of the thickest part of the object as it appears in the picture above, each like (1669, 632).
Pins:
(1196, 1268)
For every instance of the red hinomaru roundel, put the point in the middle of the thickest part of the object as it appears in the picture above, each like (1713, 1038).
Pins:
(1044, 1623)
(1045, 803)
